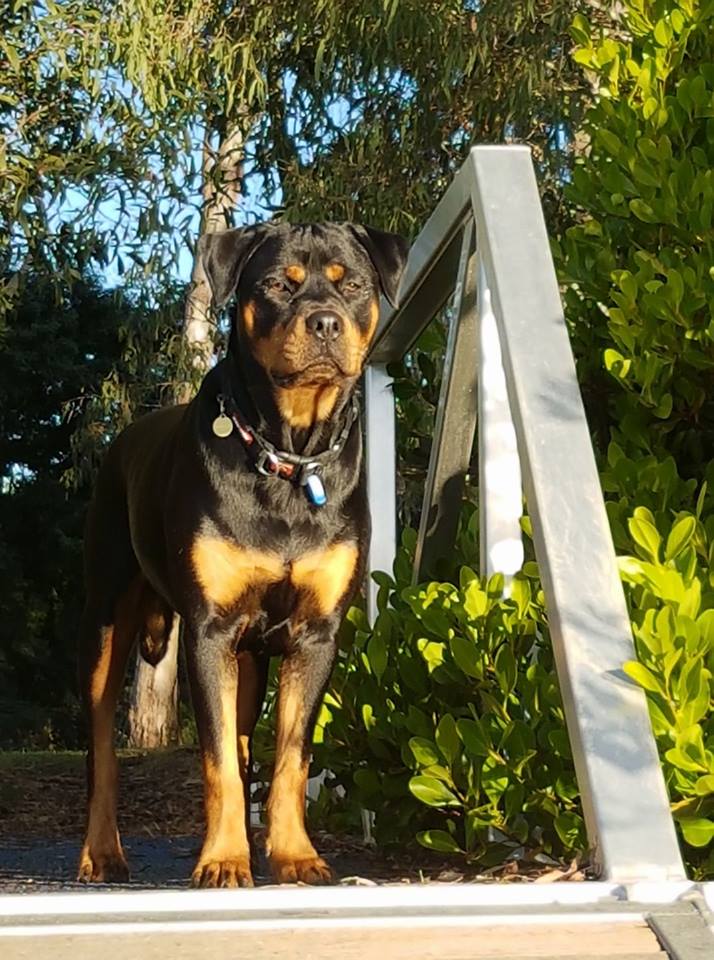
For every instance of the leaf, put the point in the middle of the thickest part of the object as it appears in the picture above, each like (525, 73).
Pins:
(418, 722)
(447, 739)
(663, 33)
(691, 741)
(679, 537)
(692, 600)
(610, 141)
(645, 536)
(438, 840)
(616, 364)
(368, 716)
(521, 593)
(644, 677)
(505, 667)
(358, 618)
(377, 653)
(474, 738)
(424, 751)
(495, 585)
(682, 761)
(697, 831)
(465, 656)
(700, 501)
(704, 786)
(643, 211)
(705, 622)
(433, 792)
(475, 600)
(570, 828)
(494, 778)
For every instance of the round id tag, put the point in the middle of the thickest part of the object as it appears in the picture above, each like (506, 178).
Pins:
(222, 426)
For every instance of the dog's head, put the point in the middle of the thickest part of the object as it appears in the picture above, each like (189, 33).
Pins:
(308, 295)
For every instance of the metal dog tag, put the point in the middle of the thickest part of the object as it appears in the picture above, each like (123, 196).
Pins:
(222, 425)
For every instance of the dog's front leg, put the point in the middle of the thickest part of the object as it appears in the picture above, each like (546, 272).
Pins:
(213, 672)
(304, 674)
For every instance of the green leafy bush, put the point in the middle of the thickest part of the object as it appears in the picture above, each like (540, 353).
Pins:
(672, 599)
(639, 292)
(639, 267)
(445, 720)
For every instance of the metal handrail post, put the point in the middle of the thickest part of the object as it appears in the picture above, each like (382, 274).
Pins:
(455, 421)
(625, 802)
(381, 460)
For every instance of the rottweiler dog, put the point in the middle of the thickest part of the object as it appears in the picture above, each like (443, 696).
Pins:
(244, 511)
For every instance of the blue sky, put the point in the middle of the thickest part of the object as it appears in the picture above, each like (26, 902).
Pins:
(256, 204)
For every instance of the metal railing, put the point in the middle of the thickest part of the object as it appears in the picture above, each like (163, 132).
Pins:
(509, 367)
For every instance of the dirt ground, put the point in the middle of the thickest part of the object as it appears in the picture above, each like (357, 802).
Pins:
(42, 810)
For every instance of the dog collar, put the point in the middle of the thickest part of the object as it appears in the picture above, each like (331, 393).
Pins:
(271, 462)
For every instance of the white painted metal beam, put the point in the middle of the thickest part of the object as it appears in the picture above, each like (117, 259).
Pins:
(625, 803)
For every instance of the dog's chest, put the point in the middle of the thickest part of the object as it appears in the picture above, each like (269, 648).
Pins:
(313, 583)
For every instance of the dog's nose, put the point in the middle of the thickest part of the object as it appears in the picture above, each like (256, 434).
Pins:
(324, 325)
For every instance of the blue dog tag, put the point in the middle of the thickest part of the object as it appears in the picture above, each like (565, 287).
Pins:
(315, 490)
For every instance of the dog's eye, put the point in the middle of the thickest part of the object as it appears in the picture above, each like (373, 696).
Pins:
(352, 286)
(275, 285)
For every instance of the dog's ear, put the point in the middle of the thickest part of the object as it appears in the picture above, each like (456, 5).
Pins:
(388, 252)
(224, 255)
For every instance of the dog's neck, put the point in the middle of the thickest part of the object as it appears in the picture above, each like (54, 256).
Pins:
(296, 419)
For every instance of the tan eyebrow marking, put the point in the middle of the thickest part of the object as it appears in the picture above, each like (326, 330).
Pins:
(296, 273)
(334, 272)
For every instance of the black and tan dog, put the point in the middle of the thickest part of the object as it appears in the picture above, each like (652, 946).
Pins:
(245, 512)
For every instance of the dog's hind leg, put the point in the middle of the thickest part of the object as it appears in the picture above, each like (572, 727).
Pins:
(106, 640)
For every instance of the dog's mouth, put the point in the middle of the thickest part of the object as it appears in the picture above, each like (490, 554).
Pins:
(322, 370)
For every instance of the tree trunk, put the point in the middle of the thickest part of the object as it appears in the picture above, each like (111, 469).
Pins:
(153, 713)
(222, 176)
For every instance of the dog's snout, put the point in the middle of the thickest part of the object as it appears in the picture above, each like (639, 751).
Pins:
(324, 324)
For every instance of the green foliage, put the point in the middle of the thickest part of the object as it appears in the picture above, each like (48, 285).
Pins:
(113, 115)
(671, 591)
(445, 720)
(639, 292)
(87, 176)
(58, 363)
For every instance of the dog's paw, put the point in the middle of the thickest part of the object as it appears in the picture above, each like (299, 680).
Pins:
(222, 873)
(312, 870)
(106, 867)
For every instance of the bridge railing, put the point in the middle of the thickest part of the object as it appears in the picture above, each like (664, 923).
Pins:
(509, 372)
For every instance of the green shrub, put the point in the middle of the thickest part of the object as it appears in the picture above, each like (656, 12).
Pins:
(670, 586)
(445, 720)
(638, 279)
(639, 267)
